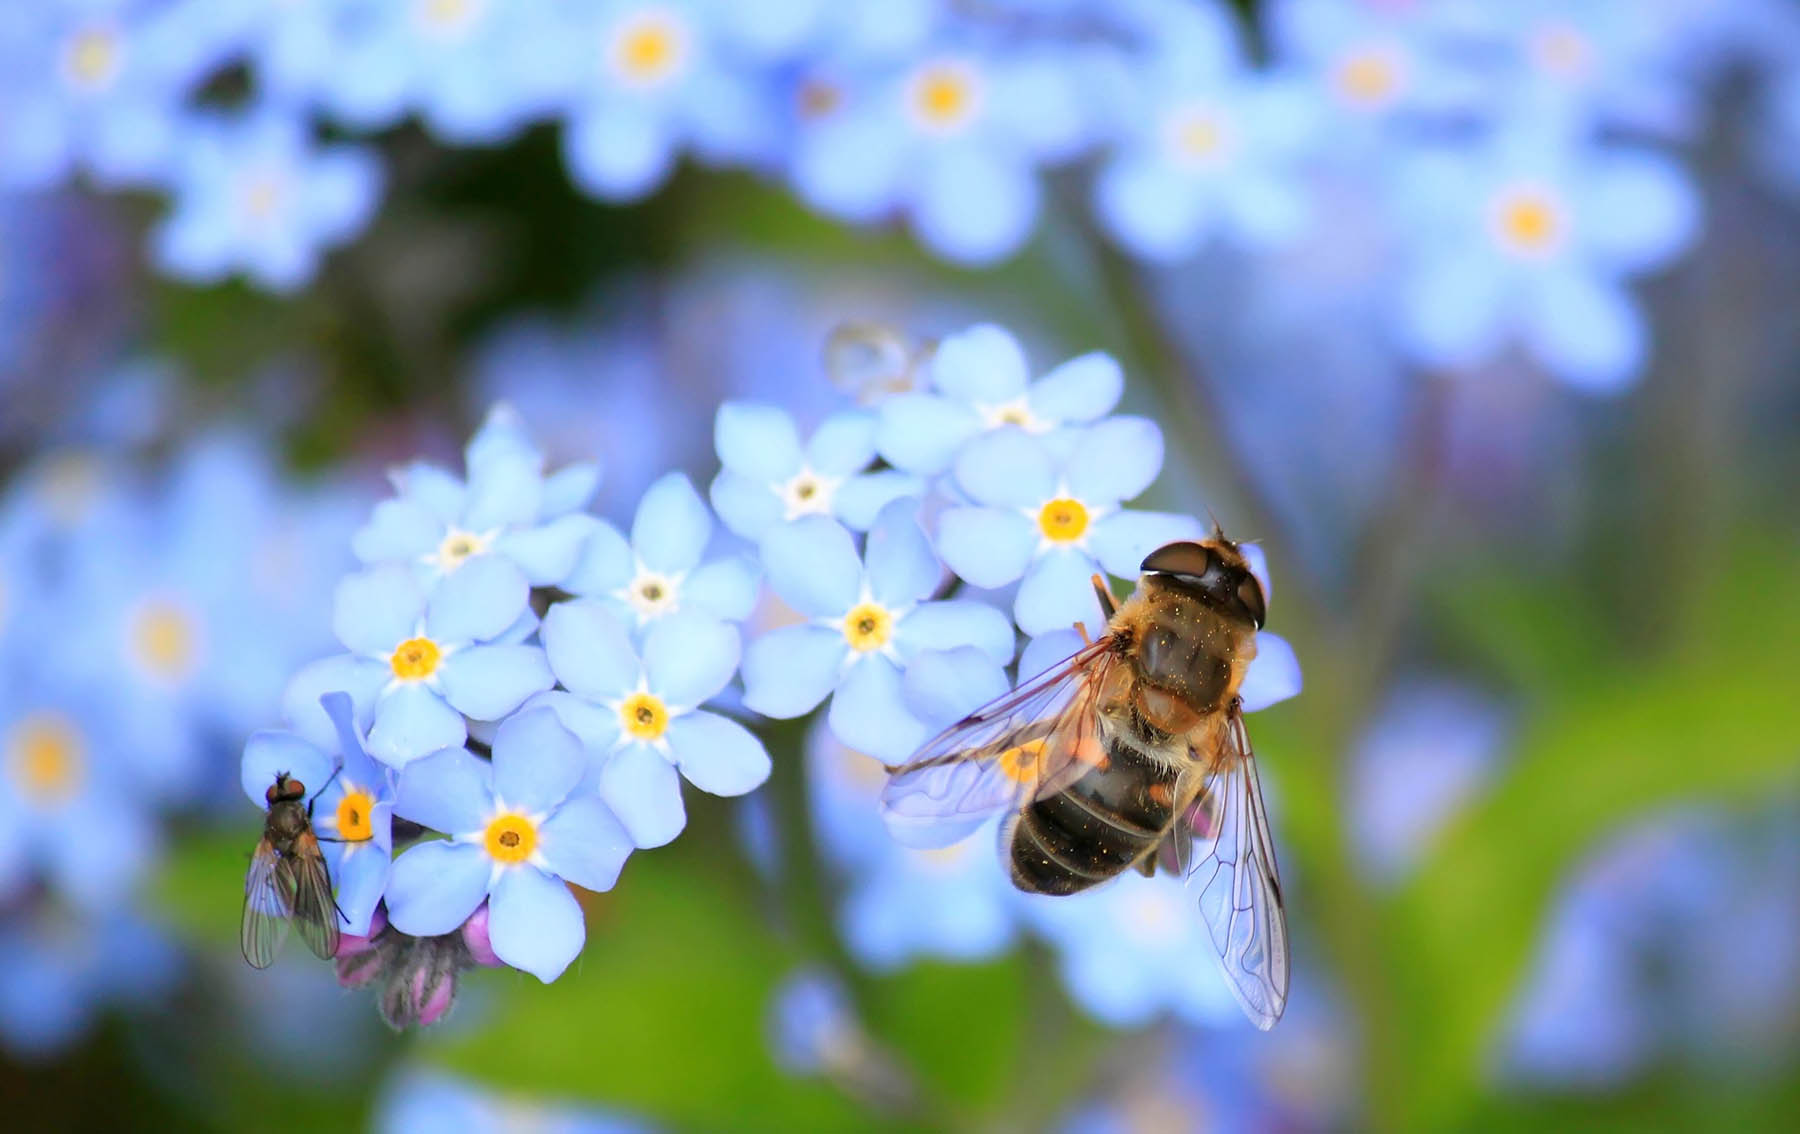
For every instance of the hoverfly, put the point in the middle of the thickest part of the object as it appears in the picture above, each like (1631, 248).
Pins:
(288, 881)
(1130, 754)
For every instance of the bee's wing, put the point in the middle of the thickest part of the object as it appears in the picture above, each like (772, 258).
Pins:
(1029, 743)
(315, 911)
(1233, 867)
(267, 904)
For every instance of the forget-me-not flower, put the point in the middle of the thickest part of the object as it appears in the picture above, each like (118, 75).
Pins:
(660, 570)
(418, 1099)
(639, 713)
(1053, 520)
(867, 618)
(59, 967)
(980, 382)
(519, 829)
(352, 800)
(422, 658)
(769, 476)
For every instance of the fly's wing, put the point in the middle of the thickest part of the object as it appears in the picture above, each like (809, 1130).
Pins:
(315, 911)
(267, 904)
(1031, 743)
(1233, 869)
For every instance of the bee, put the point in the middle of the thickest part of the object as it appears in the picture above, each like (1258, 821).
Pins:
(288, 881)
(1129, 755)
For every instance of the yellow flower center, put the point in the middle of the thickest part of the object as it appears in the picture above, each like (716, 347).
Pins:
(458, 546)
(1020, 763)
(446, 15)
(644, 716)
(92, 57)
(1197, 134)
(1063, 520)
(1368, 78)
(353, 824)
(511, 838)
(868, 627)
(649, 48)
(1561, 50)
(416, 659)
(162, 638)
(943, 860)
(943, 95)
(1529, 222)
(47, 758)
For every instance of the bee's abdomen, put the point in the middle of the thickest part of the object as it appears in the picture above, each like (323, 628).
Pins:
(1094, 828)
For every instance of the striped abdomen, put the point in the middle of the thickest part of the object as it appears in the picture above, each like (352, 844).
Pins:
(1096, 827)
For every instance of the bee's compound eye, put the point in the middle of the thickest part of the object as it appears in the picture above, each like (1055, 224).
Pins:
(1250, 593)
(1184, 558)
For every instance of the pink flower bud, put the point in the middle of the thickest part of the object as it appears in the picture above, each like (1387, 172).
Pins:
(476, 940)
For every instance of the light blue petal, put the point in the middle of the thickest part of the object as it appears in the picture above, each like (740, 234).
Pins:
(644, 791)
(433, 486)
(943, 686)
(98, 868)
(570, 488)
(843, 444)
(1082, 389)
(956, 622)
(1274, 674)
(590, 650)
(362, 876)
(861, 498)
(537, 762)
(1636, 210)
(986, 546)
(435, 886)
(1056, 593)
(269, 752)
(975, 204)
(535, 923)
(340, 709)
(717, 754)
(757, 442)
(812, 564)
(410, 721)
(1452, 310)
(450, 791)
(900, 566)
(585, 843)
(1122, 540)
(617, 150)
(790, 670)
(548, 553)
(921, 433)
(504, 491)
(1115, 460)
(398, 529)
(477, 601)
(725, 588)
(689, 656)
(982, 366)
(362, 678)
(1006, 469)
(1152, 210)
(672, 526)
(748, 507)
(604, 563)
(869, 714)
(1586, 330)
(596, 726)
(377, 609)
(488, 682)
(1047, 651)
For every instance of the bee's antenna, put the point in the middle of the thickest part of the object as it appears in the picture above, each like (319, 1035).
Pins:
(1218, 528)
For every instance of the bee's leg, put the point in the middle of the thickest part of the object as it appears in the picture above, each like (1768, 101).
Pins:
(1107, 605)
(1147, 864)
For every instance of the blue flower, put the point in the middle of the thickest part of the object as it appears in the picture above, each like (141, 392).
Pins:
(981, 383)
(867, 618)
(416, 1100)
(352, 799)
(518, 829)
(57, 969)
(660, 571)
(508, 508)
(422, 659)
(769, 477)
(639, 714)
(1054, 521)
(253, 194)
(811, 1024)
(1532, 237)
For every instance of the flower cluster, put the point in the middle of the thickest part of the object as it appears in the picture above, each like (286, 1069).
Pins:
(1519, 154)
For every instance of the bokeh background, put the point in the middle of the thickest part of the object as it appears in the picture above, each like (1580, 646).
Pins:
(1479, 317)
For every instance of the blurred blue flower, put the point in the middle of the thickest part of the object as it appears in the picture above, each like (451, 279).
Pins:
(1531, 237)
(507, 511)
(867, 618)
(421, 658)
(417, 1101)
(1375, 65)
(57, 969)
(518, 829)
(660, 571)
(1054, 518)
(981, 383)
(639, 714)
(254, 194)
(769, 477)
(811, 1025)
(352, 800)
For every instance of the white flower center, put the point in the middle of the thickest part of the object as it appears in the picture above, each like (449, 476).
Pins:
(91, 58)
(1016, 412)
(457, 547)
(652, 594)
(1198, 136)
(807, 494)
(447, 18)
(1150, 915)
(1560, 49)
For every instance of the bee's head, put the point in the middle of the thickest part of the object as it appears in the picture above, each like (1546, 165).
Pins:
(285, 789)
(1213, 569)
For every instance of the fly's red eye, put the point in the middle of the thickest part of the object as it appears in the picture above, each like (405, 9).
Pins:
(273, 795)
(294, 790)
